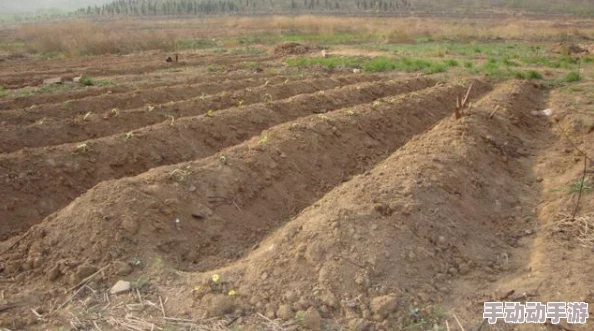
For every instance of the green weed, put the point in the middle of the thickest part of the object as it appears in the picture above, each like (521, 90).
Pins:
(87, 81)
(581, 185)
(571, 77)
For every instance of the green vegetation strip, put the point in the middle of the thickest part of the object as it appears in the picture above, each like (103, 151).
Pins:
(376, 64)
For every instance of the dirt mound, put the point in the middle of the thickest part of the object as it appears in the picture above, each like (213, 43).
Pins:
(289, 48)
(379, 245)
(263, 181)
(570, 48)
(387, 246)
(53, 177)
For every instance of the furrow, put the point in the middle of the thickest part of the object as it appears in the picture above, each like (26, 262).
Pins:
(43, 180)
(92, 125)
(210, 211)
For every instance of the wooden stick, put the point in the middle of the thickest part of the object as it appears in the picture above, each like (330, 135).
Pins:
(467, 95)
(162, 307)
(84, 281)
(458, 321)
(69, 299)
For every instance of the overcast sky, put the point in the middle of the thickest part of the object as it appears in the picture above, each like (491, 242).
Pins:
(16, 6)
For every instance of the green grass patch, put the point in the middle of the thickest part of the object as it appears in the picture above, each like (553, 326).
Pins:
(87, 81)
(425, 48)
(195, 43)
(571, 77)
(376, 64)
(563, 62)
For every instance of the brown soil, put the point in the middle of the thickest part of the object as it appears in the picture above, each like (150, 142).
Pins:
(49, 178)
(264, 181)
(129, 100)
(352, 208)
(289, 48)
(89, 126)
(133, 82)
(17, 74)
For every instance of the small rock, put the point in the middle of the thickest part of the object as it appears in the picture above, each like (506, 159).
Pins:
(285, 312)
(312, 319)
(122, 269)
(382, 306)
(120, 287)
(442, 239)
(77, 79)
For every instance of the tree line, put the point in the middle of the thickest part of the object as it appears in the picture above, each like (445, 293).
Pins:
(199, 7)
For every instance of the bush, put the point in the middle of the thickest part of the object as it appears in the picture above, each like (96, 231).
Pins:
(87, 81)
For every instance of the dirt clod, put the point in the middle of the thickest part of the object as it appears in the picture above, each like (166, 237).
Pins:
(220, 304)
(312, 319)
(54, 273)
(122, 269)
(83, 271)
(285, 312)
(382, 306)
(289, 48)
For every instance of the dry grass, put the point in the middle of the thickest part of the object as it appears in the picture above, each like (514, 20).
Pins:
(81, 37)
(77, 37)
(580, 228)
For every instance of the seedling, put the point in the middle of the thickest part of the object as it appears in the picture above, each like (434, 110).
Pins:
(150, 108)
(223, 159)
(375, 104)
(581, 185)
(82, 148)
(181, 174)
(115, 112)
(128, 136)
(210, 113)
(87, 116)
(172, 119)
(263, 139)
(240, 103)
(267, 97)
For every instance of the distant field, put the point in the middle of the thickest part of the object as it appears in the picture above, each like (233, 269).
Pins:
(292, 173)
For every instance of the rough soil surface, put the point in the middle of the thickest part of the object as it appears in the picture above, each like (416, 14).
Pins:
(363, 206)
(49, 178)
(83, 126)
(289, 48)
